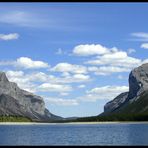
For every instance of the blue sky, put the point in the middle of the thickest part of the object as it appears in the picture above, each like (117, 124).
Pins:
(77, 56)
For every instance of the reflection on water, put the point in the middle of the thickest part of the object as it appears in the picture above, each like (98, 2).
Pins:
(83, 134)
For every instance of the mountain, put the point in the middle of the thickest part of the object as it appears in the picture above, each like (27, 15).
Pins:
(127, 106)
(136, 100)
(18, 102)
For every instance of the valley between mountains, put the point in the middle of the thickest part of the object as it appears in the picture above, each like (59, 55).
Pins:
(19, 105)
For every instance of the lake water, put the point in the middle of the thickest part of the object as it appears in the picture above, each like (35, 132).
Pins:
(75, 134)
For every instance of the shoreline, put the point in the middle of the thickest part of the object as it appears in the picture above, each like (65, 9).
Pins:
(75, 123)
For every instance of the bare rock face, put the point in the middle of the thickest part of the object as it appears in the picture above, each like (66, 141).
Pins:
(138, 81)
(117, 102)
(138, 84)
(15, 101)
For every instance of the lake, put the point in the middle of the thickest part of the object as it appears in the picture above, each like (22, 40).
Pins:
(75, 134)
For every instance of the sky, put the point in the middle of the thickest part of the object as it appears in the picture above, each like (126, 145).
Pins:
(77, 56)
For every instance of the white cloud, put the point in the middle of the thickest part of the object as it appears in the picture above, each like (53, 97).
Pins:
(106, 70)
(21, 80)
(23, 19)
(131, 50)
(105, 92)
(66, 74)
(66, 78)
(61, 52)
(109, 89)
(31, 81)
(66, 67)
(119, 58)
(11, 36)
(61, 101)
(81, 77)
(116, 55)
(28, 63)
(82, 86)
(64, 94)
(120, 77)
(47, 87)
(11, 73)
(144, 45)
(112, 62)
(90, 49)
(37, 81)
(39, 77)
(76, 78)
(140, 36)
(7, 63)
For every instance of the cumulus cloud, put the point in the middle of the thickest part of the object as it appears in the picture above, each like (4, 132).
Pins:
(106, 92)
(11, 73)
(61, 101)
(119, 58)
(37, 82)
(98, 93)
(81, 77)
(106, 70)
(109, 60)
(70, 78)
(39, 77)
(116, 59)
(131, 50)
(72, 68)
(144, 45)
(76, 78)
(33, 81)
(47, 87)
(21, 80)
(82, 86)
(28, 63)
(64, 94)
(25, 63)
(11, 36)
(90, 49)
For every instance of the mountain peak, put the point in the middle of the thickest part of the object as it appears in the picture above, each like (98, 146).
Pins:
(3, 77)
(138, 86)
(16, 101)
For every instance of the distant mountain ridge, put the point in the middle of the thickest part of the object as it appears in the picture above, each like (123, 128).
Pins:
(18, 102)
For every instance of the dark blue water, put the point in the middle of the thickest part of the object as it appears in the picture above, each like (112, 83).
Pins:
(74, 134)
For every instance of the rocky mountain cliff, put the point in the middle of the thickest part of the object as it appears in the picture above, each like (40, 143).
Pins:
(134, 101)
(18, 102)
